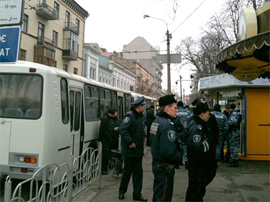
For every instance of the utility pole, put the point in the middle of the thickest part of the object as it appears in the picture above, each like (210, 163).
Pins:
(169, 63)
(180, 81)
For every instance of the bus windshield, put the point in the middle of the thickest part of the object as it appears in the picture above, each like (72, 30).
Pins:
(20, 96)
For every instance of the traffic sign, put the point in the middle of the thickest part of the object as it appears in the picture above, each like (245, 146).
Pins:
(11, 12)
(9, 43)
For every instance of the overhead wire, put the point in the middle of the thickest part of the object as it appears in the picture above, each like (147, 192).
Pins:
(189, 15)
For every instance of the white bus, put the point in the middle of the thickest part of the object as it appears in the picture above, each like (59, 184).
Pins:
(47, 113)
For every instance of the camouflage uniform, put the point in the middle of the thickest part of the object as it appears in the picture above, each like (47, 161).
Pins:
(234, 134)
(184, 115)
(223, 128)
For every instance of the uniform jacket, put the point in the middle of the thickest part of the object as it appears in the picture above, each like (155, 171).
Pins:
(199, 148)
(222, 122)
(132, 131)
(233, 119)
(184, 114)
(164, 143)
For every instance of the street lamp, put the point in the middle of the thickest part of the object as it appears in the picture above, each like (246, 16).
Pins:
(169, 36)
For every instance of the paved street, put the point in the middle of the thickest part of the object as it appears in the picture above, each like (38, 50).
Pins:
(249, 182)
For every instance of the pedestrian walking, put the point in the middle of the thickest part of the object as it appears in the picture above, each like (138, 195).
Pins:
(233, 135)
(223, 128)
(201, 153)
(150, 117)
(105, 136)
(164, 149)
(132, 140)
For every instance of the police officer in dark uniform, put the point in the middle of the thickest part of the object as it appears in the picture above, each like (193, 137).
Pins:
(133, 138)
(201, 153)
(164, 149)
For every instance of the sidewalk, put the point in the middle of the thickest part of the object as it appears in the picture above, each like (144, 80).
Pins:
(249, 182)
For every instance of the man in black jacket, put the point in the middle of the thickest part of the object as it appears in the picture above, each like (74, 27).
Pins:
(105, 135)
(165, 149)
(201, 151)
(133, 138)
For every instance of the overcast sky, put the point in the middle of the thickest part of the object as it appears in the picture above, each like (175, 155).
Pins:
(115, 23)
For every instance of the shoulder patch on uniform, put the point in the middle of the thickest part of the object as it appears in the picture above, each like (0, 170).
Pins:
(199, 127)
(126, 119)
(196, 138)
(154, 128)
(171, 135)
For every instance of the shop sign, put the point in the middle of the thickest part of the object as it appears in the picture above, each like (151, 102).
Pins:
(246, 73)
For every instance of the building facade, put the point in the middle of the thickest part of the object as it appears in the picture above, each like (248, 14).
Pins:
(140, 51)
(144, 81)
(53, 33)
(92, 52)
(124, 73)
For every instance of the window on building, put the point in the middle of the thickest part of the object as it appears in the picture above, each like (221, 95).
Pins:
(75, 70)
(41, 29)
(77, 25)
(56, 9)
(22, 54)
(55, 38)
(42, 2)
(94, 74)
(65, 67)
(74, 42)
(67, 19)
(113, 82)
(91, 73)
(25, 23)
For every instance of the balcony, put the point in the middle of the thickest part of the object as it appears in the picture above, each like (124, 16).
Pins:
(44, 52)
(70, 50)
(45, 11)
(69, 26)
(45, 42)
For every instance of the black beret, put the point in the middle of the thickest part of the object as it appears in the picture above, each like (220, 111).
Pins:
(166, 100)
(217, 107)
(180, 104)
(111, 111)
(232, 106)
(200, 108)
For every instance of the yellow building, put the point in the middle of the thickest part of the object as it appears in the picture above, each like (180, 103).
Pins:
(53, 34)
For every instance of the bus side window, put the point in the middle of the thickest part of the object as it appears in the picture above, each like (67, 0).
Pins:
(105, 101)
(64, 101)
(91, 97)
(114, 100)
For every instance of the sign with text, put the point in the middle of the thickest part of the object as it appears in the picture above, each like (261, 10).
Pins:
(9, 43)
(11, 12)
(163, 58)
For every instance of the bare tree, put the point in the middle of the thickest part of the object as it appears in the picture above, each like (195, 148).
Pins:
(220, 32)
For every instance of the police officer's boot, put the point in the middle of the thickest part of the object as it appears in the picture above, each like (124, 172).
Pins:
(233, 163)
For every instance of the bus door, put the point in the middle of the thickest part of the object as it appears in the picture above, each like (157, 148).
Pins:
(75, 119)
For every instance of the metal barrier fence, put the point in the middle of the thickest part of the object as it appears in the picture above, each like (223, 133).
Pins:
(59, 183)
